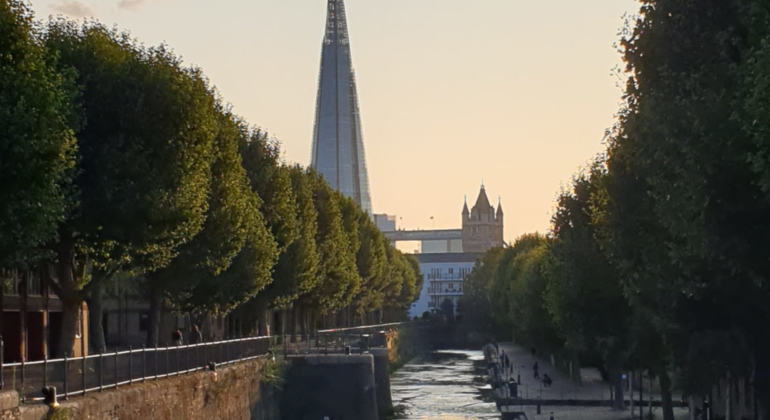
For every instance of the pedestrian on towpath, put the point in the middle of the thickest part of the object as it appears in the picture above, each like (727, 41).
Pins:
(536, 368)
(176, 338)
(195, 335)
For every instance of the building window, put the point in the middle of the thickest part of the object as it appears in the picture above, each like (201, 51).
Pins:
(451, 270)
(144, 322)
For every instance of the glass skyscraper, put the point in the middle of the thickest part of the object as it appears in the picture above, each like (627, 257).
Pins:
(338, 145)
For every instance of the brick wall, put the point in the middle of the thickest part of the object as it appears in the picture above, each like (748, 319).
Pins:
(236, 395)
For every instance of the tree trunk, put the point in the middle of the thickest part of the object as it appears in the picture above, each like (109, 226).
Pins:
(665, 395)
(728, 398)
(95, 316)
(313, 326)
(156, 311)
(69, 326)
(631, 391)
(577, 379)
(618, 402)
(303, 323)
(71, 299)
(293, 318)
(262, 329)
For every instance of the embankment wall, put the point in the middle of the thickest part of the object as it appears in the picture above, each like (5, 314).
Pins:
(236, 394)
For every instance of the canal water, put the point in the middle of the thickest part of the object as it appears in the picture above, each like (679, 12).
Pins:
(445, 385)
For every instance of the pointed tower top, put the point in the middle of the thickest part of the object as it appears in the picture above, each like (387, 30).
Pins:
(465, 206)
(482, 183)
(482, 202)
(499, 207)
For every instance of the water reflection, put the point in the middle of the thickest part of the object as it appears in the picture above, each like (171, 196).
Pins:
(445, 385)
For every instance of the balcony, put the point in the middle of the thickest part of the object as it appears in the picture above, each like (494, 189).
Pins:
(446, 277)
(448, 292)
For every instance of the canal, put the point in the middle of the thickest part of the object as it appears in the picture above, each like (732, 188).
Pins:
(444, 385)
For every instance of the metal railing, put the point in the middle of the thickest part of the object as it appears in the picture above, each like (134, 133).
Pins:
(80, 375)
(73, 376)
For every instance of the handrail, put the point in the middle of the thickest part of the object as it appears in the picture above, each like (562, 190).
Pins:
(110, 370)
(360, 328)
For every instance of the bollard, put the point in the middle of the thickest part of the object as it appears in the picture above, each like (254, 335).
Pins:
(518, 378)
(49, 396)
(551, 415)
(212, 366)
(538, 407)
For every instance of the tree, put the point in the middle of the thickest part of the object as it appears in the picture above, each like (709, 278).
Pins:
(448, 309)
(532, 324)
(233, 215)
(477, 289)
(584, 293)
(371, 259)
(272, 181)
(37, 145)
(145, 152)
(338, 271)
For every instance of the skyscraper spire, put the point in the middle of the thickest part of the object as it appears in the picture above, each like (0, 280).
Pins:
(338, 146)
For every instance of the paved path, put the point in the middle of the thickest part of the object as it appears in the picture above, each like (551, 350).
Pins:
(593, 389)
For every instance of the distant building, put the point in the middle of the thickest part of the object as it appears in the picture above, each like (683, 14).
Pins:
(443, 277)
(482, 229)
(448, 256)
(31, 318)
(385, 222)
(482, 225)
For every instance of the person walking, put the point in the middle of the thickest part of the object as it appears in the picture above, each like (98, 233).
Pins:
(195, 336)
(536, 368)
(176, 337)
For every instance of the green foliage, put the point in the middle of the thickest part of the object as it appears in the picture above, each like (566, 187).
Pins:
(120, 163)
(145, 146)
(60, 414)
(201, 271)
(37, 145)
(272, 372)
(338, 270)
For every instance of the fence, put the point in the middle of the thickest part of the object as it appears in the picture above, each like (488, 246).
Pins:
(98, 372)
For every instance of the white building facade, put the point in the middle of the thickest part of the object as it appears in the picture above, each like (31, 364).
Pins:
(443, 278)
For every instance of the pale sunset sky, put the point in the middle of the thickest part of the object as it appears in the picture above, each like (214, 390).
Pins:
(515, 92)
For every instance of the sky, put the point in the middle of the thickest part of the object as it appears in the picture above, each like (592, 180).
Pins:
(517, 93)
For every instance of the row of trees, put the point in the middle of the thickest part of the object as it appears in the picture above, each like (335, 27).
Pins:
(657, 258)
(116, 160)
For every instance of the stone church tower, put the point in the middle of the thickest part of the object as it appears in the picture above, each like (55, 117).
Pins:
(482, 225)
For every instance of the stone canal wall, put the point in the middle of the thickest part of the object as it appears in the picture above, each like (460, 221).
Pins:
(340, 387)
(236, 394)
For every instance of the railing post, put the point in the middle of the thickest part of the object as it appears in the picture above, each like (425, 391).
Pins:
(197, 356)
(101, 371)
(66, 377)
(205, 353)
(168, 370)
(2, 368)
(178, 368)
(45, 372)
(116, 369)
(144, 363)
(188, 359)
(83, 378)
(156, 360)
(23, 376)
(130, 366)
